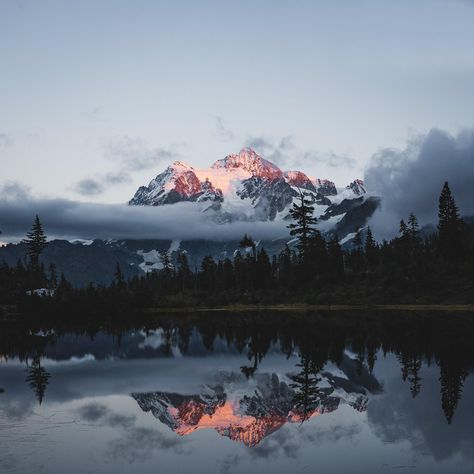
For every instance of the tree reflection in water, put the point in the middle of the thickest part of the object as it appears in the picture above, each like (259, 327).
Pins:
(415, 338)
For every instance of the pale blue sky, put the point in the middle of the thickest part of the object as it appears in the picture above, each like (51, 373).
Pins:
(112, 91)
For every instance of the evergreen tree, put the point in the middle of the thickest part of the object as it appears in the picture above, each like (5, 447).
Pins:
(64, 285)
(119, 279)
(315, 266)
(208, 274)
(305, 385)
(452, 378)
(183, 273)
(263, 270)
(449, 225)
(166, 263)
(285, 268)
(370, 249)
(357, 254)
(335, 258)
(411, 366)
(403, 229)
(413, 227)
(35, 242)
(53, 276)
(228, 274)
(303, 225)
(240, 271)
(38, 379)
(248, 242)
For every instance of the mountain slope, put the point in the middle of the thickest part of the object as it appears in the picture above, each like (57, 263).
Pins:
(243, 186)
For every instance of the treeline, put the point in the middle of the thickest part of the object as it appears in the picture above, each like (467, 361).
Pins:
(411, 268)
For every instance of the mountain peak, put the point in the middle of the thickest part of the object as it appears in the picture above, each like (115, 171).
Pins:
(249, 160)
(357, 187)
(245, 186)
(299, 179)
(181, 166)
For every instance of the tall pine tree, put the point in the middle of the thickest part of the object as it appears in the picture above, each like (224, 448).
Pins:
(303, 225)
(449, 225)
(35, 242)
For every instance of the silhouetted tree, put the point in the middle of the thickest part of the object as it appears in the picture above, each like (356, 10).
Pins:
(304, 222)
(183, 271)
(370, 249)
(53, 276)
(38, 379)
(305, 385)
(263, 270)
(452, 378)
(413, 226)
(35, 242)
(449, 225)
(119, 279)
(208, 274)
(248, 242)
(335, 258)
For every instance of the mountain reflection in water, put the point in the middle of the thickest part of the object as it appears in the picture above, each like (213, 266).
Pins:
(248, 412)
(274, 383)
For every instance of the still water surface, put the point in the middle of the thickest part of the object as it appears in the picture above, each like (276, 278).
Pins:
(239, 394)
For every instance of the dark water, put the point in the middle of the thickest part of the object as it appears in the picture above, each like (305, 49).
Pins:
(272, 393)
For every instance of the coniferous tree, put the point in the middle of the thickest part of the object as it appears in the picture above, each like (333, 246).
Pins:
(285, 267)
(228, 274)
(413, 226)
(370, 249)
(119, 279)
(208, 273)
(414, 376)
(240, 271)
(38, 379)
(35, 243)
(449, 225)
(263, 270)
(183, 272)
(305, 386)
(248, 242)
(335, 258)
(452, 378)
(358, 241)
(303, 225)
(166, 263)
(53, 276)
(357, 253)
(403, 229)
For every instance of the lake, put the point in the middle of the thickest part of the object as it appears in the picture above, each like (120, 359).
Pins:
(239, 393)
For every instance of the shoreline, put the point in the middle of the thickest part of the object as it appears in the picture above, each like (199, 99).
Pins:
(316, 307)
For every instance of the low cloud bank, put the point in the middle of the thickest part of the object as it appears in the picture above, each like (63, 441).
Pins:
(69, 219)
(410, 180)
(407, 180)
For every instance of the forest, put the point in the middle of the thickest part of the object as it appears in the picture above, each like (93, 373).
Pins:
(412, 268)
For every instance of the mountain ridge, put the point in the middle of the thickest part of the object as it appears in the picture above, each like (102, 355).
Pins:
(242, 186)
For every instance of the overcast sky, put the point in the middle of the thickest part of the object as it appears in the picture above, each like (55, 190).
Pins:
(97, 97)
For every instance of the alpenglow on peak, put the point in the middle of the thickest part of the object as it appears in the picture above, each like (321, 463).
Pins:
(241, 186)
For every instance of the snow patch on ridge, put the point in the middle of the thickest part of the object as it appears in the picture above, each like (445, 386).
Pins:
(151, 260)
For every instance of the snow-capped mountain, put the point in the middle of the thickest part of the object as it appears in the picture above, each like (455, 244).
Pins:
(240, 187)
(177, 183)
(248, 410)
(243, 186)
